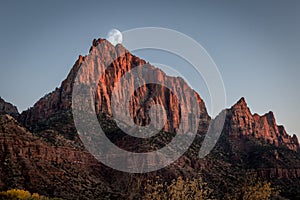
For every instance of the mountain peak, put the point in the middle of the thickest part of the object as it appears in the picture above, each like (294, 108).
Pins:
(240, 108)
(8, 108)
(114, 62)
(245, 124)
(270, 117)
(98, 41)
(269, 114)
(241, 102)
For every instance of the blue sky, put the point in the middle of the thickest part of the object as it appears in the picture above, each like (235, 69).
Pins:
(255, 44)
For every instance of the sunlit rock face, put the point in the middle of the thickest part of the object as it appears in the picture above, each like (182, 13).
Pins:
(114, 62)
(241, 122)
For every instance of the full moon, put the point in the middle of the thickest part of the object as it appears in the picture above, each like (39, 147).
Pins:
(115, 37)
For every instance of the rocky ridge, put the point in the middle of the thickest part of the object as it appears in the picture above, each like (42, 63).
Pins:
(241, 122)
(8, 108)
(120, 61)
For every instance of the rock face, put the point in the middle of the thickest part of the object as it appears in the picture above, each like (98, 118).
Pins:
(27, 161)
(259, 145)
(241, 122)
(114, 63)
(8, 108)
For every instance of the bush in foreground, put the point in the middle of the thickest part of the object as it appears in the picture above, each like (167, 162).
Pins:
(179, 188)
(254, 189)
(16, 194)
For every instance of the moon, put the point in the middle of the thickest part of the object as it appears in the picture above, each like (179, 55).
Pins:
(115, 37)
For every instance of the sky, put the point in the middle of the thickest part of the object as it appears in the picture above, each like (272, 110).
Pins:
(255, 44)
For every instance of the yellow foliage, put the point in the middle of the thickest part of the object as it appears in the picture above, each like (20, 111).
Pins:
(35, 196)
(261, 190)
(17, 194)
(183, 189)
(253, 189)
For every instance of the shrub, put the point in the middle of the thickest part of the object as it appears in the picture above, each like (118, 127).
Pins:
(178, 189)
(253, 189)
(16, 194)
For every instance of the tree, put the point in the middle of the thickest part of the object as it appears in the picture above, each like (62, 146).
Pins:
(253, 189)
(179, 188)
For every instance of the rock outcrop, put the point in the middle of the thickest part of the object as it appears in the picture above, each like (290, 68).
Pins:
(8, 108)
(241, 122)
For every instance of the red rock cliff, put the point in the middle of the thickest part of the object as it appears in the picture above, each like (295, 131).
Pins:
(241, 122)
(59, 101)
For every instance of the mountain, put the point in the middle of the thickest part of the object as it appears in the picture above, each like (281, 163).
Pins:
(40, 149)
(257, 144)
(241, 122)
(51, 109)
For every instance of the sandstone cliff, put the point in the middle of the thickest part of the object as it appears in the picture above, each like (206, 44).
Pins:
(115, 62)
(241, 122)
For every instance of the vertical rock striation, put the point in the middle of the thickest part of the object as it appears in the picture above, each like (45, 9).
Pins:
(115, 61)
(241, 122)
